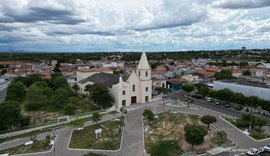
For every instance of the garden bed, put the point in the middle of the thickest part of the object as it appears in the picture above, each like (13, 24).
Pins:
(110, 139)
(170, 141)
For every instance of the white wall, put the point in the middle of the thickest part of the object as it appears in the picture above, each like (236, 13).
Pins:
(263, 93)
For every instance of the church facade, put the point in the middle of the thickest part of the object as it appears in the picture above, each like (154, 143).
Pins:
(137, 88)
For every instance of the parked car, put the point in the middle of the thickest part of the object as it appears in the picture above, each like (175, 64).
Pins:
(227, 104)
(197, 96)
(267, 148)
(208, 99)
(255, 151)
(217, 102)
(238, 107)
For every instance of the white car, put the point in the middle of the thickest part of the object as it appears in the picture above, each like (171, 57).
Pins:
(208, 99)
(255, 151)
(267, 148)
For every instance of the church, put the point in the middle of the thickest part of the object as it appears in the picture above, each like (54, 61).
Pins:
(137, 88)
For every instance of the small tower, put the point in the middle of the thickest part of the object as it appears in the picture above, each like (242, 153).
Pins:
(143, 70)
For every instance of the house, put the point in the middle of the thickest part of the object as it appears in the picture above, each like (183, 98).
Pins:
(176, 83)
(261, 70)
(136, 88)
(191, 78)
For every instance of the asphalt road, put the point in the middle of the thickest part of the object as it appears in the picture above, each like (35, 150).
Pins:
(210, 105)
(3, 93)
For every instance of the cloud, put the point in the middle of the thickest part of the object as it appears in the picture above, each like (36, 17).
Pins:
(241, 4)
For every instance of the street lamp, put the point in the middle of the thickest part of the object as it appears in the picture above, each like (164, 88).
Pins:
(163, 97)
(54, 138)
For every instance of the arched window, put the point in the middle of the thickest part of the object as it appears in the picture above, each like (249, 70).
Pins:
(146, 73)
(133, 88)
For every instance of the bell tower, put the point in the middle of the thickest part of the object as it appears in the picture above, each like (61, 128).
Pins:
(143, 70)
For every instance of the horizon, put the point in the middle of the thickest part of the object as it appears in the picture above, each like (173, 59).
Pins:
(154, 26)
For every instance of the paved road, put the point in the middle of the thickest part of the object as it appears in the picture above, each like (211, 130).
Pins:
(3, 93)
(212, 106)
(132, 144)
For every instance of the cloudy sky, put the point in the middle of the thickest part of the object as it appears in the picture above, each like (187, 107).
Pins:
(127, 25)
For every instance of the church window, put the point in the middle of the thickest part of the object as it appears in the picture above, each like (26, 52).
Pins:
(146, 89)
(139, 73)
(133, 88)
(146, 74)
(124, 92)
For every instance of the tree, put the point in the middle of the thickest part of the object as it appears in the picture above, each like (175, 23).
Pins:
(96, 117)
(88, 89)
(15, 91)
(61, 97)
(32, 79)
(70, 109)
(188, 87)
(35, 100)
(208, 119)
(101, 96)
(260, 122)
(76, 87)
(148, 114)
(10, 114)
(203, 90)
(246, 72)
(223, 74)
(59, 81)
(163, 90)
(194, 134)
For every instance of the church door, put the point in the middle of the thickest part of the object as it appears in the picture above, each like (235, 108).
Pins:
(133, 99)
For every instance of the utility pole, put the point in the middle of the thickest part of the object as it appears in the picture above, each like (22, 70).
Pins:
(251, 113)
(54, 138)
(163, 125)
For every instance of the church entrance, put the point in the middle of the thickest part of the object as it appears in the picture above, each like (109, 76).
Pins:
(133, 99)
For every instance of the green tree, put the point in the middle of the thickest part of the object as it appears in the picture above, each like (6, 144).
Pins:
(59, 81)
(10, 114)
(223, 74)
(70, 109)
(208, 119)
(101, 96)
(96, 117)
(194, 134)
(35, 100)
(246, 72)
(203, 90)
(61, 97)
(188, 87)
(16, 91)
(88, 89)
(148, 114)
(163, 90)
(76, 87)
(32, 79)
(260, 122)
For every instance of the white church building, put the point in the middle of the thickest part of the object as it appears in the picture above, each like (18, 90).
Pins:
(137, 88)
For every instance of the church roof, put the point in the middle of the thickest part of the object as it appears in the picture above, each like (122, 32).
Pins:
(103, 78)
(143, 64)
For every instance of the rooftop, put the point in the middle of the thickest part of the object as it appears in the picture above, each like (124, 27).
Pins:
(246, 83)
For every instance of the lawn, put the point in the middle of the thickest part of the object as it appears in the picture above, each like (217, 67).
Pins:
(170, 141)
(38, 146)
(110, 137)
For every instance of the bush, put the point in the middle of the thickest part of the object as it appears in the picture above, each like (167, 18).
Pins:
(148, 114)
(70, 109)
(165, 148)
(257, 135)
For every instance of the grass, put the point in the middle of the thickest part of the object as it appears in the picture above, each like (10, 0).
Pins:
(110, 138)
(170, 141)
(37, 146)
(94, 154)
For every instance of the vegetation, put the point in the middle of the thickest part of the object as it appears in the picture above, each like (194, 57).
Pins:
(188, 87)
(148, 114)
(166, 148)
(31, 95)
(110, 136)
(223, 74)
(100, 94)
(77, 123)
(37, 146)
(208, 119)
(228, 95)
(194, 134)
(246, 72)
(94, 154)
(96, 117)
(163, 90)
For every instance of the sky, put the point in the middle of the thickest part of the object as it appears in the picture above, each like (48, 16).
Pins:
(133, 25)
